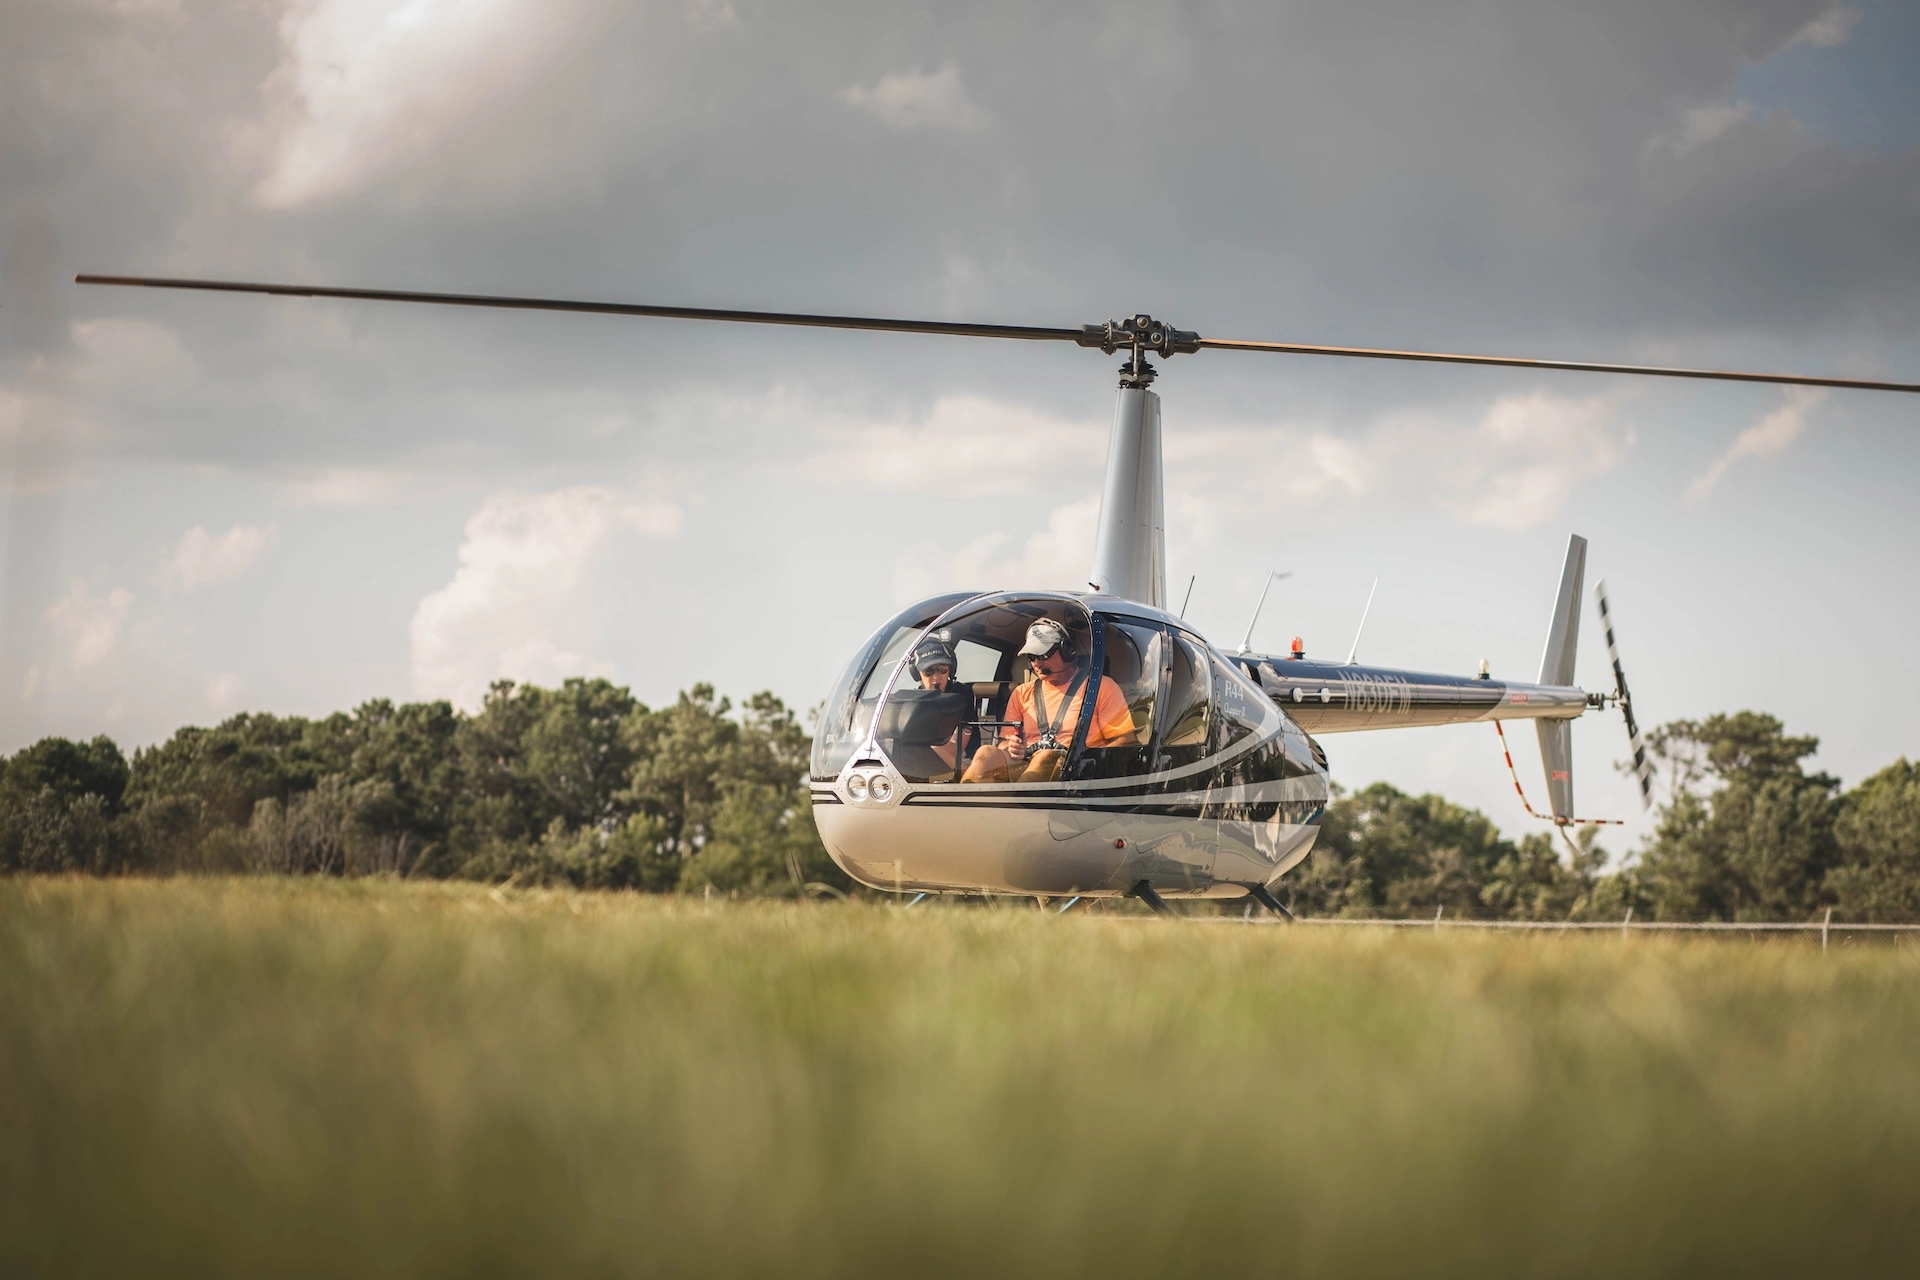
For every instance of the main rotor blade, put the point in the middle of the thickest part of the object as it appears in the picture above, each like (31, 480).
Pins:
(1578, 366)
(1108, 337)
(1027, 332)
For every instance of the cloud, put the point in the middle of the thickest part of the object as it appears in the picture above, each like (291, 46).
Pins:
(1530, 451)
(1771, 435)
(1703, 124)
(202, 559)
(367, 89)
(1510, 467)
(124, 355)
(224, 690)
(92, 624)
(990, 446)
(511, 610)
(1053, 556)
(1831, 28)
(351, 486)
(918, 100)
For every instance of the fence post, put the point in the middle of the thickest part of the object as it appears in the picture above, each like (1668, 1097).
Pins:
(1823, 928)
(1437, 913)
(1626, 922)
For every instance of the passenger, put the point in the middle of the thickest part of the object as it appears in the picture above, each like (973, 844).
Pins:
(1045, 711)
(934, 665)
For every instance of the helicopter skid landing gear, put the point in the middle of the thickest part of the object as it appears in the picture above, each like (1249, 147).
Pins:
(1264, 896)
(1145, 893)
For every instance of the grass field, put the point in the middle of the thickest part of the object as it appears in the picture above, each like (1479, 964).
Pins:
(290, 1077)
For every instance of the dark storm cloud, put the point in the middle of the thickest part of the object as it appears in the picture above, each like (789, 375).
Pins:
(1490, 173)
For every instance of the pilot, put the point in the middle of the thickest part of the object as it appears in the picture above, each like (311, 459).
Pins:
(1044, 712)
(933, 664)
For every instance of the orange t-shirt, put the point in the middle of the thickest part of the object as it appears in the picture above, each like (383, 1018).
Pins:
(1112, 722)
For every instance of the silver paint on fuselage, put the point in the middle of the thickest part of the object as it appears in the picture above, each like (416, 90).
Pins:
(1191, 832)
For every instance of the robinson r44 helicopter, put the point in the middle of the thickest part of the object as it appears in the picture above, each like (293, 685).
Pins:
(1088, 743)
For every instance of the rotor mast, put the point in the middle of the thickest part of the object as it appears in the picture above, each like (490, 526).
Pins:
(1130, 548)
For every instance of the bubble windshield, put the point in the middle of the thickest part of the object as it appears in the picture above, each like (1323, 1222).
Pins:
(969, 705)
(848, 713)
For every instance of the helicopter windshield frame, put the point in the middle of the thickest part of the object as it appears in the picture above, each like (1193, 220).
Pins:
(846, 719)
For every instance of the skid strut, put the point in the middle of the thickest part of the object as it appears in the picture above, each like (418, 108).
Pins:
(1264, 896)
(1145, 893)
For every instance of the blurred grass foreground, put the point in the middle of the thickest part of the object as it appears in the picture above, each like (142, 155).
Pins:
(373, 1078)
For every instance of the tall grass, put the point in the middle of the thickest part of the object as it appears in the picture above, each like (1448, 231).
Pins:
(368, 1078)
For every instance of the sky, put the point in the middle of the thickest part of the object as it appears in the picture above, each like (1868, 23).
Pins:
(216, 504)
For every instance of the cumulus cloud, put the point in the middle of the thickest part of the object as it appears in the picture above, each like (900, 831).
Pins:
(512, 609)
(918, 100)
(1772, 434)
(224, 690)
(91, 624)
(201, 559)
(1055, 554)
(1530, 451)
(350, 486)
(1831, 28)
(1702, 124)
(122, 354)
(366, 88)
(990, 446)
(1510, 467)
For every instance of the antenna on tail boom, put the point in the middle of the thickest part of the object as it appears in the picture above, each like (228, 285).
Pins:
(1273, 576)
(1355, 651)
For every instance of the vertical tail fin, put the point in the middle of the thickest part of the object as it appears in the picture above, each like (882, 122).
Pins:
(1556, 665)
(1556, 668)
(1556, 757)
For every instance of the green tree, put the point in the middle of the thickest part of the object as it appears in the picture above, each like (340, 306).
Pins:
(534, 756)
(58, 802)
(413, 750)
(1534, 882)
(1877, 831)
(232, 766)
(1383, 852)
(1747, 833)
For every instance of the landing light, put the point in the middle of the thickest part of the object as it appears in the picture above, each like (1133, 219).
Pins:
(881, 790)
(857, 786)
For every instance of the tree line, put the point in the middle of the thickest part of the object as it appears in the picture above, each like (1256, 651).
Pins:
(581, 785)
(584, 785)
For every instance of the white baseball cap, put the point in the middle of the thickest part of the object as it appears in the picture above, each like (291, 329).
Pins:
(1044, 637)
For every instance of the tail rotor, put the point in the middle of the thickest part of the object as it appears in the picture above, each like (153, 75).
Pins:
(1642, 770)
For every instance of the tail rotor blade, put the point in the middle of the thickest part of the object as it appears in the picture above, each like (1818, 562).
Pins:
(1642, 770)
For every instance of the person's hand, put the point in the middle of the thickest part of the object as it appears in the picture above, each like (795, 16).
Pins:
(1016, 749)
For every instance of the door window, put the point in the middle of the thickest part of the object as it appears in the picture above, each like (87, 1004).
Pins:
(1136, 665)
(1189, 695)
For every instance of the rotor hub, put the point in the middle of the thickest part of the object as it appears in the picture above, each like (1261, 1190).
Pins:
(1138, 333)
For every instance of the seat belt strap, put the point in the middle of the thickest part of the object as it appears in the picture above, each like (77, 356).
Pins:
(1051, 725)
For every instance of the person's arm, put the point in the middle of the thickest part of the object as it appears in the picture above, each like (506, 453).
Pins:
(1113, 722)
(1019, 706)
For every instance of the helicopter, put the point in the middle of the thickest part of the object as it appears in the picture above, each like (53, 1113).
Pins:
(1166, 767)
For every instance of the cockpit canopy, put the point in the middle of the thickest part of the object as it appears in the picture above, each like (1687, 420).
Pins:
(1160, 698)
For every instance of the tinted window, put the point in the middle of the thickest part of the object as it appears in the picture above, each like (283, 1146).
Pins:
(1186, 714)
(1135, 661)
